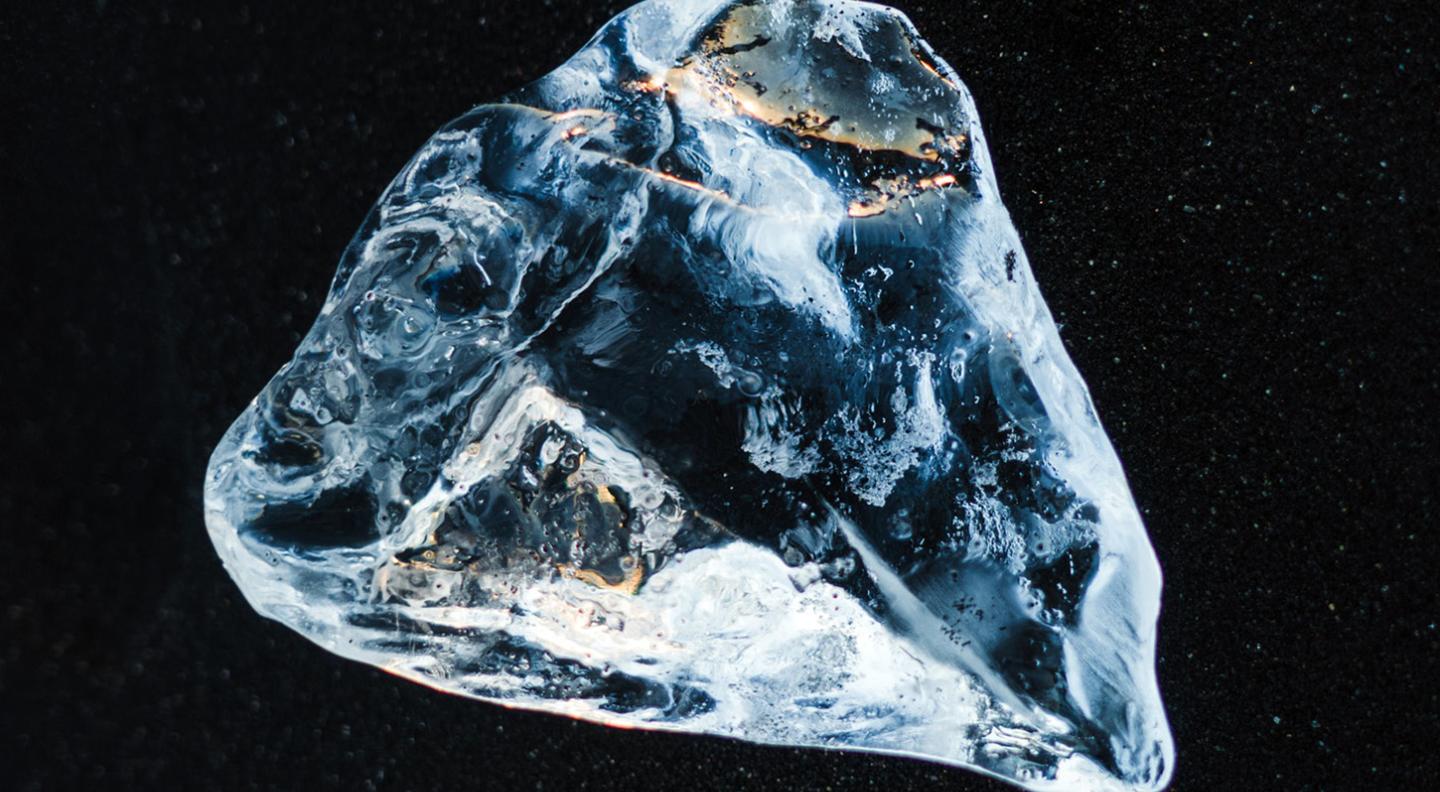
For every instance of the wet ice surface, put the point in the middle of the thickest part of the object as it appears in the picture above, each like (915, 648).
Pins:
(703, 385)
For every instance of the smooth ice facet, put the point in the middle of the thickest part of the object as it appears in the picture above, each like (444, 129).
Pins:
(703, 385)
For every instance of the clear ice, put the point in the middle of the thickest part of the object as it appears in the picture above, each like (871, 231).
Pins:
(703, 385)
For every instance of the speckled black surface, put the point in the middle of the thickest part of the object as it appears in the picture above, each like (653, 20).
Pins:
(1232, 213)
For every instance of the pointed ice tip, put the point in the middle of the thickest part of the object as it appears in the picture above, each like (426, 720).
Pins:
(704, 386)
(1144, 757)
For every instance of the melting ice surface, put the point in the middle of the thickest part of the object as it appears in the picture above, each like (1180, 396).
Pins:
(703, 385)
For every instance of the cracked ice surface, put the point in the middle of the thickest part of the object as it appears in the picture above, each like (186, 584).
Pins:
(703, 385)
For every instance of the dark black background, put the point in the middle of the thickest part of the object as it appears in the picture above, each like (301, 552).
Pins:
(1231, 211)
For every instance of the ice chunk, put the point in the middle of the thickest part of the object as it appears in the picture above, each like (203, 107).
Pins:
(703, 385)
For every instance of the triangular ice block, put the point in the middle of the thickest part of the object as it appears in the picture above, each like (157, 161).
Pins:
(703, 385)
